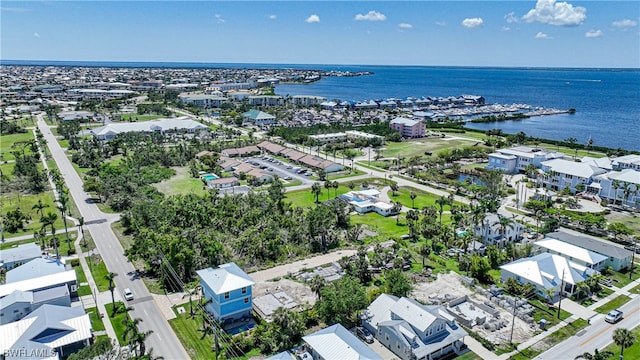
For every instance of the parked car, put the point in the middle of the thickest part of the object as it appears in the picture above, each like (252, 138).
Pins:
(128, 294)
(364, 334)
(613, 316)
(287, 177)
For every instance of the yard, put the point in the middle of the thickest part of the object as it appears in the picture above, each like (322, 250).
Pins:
(96, 320)
(187, 330)
(181, 183)
(613, 304)
(409, 148)
(8, 142)
(117, 320)
(423, 198)
(550, 341)
(632, 352)
(304, 198)
(99, 271)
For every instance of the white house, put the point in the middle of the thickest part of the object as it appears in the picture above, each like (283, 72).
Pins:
(622, 186)
(336, 342)
(517, 158)
(491, 232)
(560, 173)
(19, 255)
(617, 256)
(547, 272)
(366, 201)
(573, 253)
(412, 330)
(161, 126)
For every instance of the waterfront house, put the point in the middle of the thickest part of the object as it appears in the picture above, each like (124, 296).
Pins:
(617, 256)
(560, 173)
(621, 186)
(412, 330)
(21, 254)
(306, 100)
(336, 342)
(265, 100)
(408, 128)
(491, 232)
(546, 272)
(516, 159)
(258, 118)
(228, 291)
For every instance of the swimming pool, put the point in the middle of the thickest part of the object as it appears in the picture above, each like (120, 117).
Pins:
(209, 177)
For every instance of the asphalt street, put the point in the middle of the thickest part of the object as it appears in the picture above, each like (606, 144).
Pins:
(163, 340)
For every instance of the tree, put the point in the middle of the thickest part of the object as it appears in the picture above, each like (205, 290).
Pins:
(479, 268)
(572, 141)
(394, 189)
(64, 201)
(322, 175)
(623, 338)
(328, 185)
(397, 283)
(619, 229)
(441, 201)
(109, 277)
(597, 355)
(39, 207)
(316, 284)
(340, 301)
(316, 190)
(81, 226)
(413, 196)
(504, 223)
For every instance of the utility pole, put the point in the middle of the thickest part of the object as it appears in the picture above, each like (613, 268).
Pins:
(561, 290)
(633, 255)
(513, 320)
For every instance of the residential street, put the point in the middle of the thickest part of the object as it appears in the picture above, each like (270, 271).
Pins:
(163, 340)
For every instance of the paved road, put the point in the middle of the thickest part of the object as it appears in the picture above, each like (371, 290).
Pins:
(595, 336)
(163, 340)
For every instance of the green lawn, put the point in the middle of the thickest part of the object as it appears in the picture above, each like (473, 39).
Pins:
(136, 117)
(635, 290)
(632, 352)
(551, 340)
(622, 279)
(304, 198)
(613, 304)
(98, 271)
(409, 148)
(423, 198)
(82, 278)
(8, 141)
(181, 183)
(25, 202)
(96, 321)
(345, 174)
(468, 356)
(7, 170)
(117, 321)
(186, 328)
(384, 226)
(549, 313)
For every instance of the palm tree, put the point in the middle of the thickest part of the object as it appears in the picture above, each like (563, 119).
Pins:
(441, 201)
(64, 201)
(81, 226)
(316, 190)
(317, 283)
(504, 223)
(394, 189)
(597, 355)
(109, 277)
(623, 338)
(328, 185)
(39, 206)
(413, 196)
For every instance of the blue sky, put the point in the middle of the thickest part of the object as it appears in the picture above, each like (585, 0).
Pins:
(543, 33)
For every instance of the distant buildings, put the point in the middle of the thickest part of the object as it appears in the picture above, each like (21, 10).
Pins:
(228, 290)
(344, 136)
(295, 156)
(412, 330)
(258, 118)
(408, 128)
(203, 100)
(516, 159)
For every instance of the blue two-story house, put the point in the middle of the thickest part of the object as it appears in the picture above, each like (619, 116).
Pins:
(227, 290)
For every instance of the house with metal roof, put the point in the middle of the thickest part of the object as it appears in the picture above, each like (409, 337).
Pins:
(36, 268)
(68, 278)
(257, 117)
(618, 186)
(336, 342)
(573, 253)
(491, 232)
(617, 256)
(227, 288)
(561, 173)
(23, 253)
(412, 330)
(50, 332)
(516, 159)
(546, 272)
(19, 304)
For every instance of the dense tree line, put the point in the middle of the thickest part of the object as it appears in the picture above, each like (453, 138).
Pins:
(10, 127)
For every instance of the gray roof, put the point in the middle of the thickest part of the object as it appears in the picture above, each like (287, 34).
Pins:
(336, 342)
(148, 126)
(594, 244)
(21, 252)
(227, 277)
(50, 294)
(403, 121)
(35, 268)
(16, 296)
(285, 355)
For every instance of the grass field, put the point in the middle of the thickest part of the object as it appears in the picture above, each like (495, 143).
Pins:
(186, 328)
(613, 304)
(96, 321)
(423, 198)
(551, 340)
(181, 183)
(98, 271)
(8, 142)
(136, 117)
(384, 226)
(117, 320)
(468, 356)
(304, 198)
(411, 148)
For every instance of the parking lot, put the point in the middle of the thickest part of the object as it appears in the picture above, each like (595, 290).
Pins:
(284, 170)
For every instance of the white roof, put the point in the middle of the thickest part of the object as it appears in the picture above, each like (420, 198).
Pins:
(626, 175)
(403, 121)
(41, 282)
(415, 315)
(545, 270)
(383, 205)
(336, 342)
(569, 250)
(627, 159)
(146, 126)
(35, 268)
(503, 156)
(21, 252)
(225, 278)
(583, 170)
(46, 328)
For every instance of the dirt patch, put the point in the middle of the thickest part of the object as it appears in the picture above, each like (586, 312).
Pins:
(299, 292)
(449, 286)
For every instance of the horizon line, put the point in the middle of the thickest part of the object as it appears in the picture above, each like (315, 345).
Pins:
(52, 62)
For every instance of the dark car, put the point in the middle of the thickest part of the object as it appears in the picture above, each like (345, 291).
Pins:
(364, 334)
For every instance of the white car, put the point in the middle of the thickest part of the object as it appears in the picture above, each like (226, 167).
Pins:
(613, 316)
(128, 294)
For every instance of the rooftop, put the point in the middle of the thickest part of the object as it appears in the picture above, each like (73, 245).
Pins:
(600, 246)
(336, 342)
(225, 278)
(570, 250)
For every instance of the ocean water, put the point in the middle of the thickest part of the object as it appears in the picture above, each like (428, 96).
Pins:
(607, 100)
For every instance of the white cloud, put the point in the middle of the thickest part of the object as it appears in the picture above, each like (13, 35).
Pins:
(313, 19)
(405, 26)
(36, 34)
(371, 16)
(593, 34)
(472, 22)
(219, 19)
(441, 23)
(272, 17)
(559, 14)
(506, 28)
(543, 36)
(511, 18)
(624, 23)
